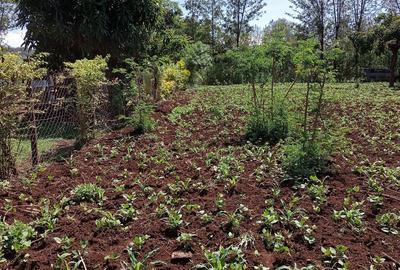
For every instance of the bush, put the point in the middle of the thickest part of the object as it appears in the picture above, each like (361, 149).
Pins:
(174, 77)
(140, 120)
(88, 193)
(263, 127)
(197, 57)
(15, 238)
(89, 76)
(303, 159)
(15, 72)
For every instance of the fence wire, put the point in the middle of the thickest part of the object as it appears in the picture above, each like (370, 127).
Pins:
(51, 114)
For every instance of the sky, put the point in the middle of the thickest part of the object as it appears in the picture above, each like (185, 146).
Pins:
(275, 9)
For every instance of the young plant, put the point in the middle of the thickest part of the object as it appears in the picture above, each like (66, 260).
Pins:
(64, 242)
(88, 193)
(219, 201)
(174, 219)
(269, 218)
(224, 258)
(274, 241)
(107, 221)
(335, 257)
(317, 190)
(389, 223)
(127, 212)
(134, 262)
(140, 240)
(15, 237)
(352, 214)
(140, 119)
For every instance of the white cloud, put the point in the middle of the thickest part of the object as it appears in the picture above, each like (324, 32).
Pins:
(15, 38)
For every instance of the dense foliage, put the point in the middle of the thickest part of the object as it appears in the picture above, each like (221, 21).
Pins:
(89, 76)
(14, 75)
(71, 30)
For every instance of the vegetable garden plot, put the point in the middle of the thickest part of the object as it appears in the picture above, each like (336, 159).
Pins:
(194, 193)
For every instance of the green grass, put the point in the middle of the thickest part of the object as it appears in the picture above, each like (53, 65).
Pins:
(22, 148)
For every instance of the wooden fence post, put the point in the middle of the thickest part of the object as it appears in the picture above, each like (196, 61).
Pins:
(33, 136)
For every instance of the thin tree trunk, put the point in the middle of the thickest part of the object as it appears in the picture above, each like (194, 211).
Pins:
(393, 66)
(306, 108)
(213, 25)
(238, 30)
(272, 89)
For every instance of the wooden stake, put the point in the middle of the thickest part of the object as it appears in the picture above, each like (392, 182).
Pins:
(33, 136)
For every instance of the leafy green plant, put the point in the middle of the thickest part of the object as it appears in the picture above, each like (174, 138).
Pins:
(134, 262)
(174, 218)
(89, 76)
(335, 257)
(174, 77)
(15, 72)
(235, 218)
(15, 237)
(140, 119)
(65, 242)
(352, 214)
(269, 217)
(197, 57)
(305, 158)
(176, 115)
(389, 222)
(185, 237)
(140, 240)
(88, 193)
(274, 241)
(49, 216)
(127, 212)
(107, 221)
(261, 127)
(224, 258)
(317, 190)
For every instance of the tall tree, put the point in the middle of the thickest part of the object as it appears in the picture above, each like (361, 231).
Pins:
(76, 29)
(392, 5)
(239, 14)
(339, 13)
(361, 12)
(205, 15)
(313, 16)
(6, 16)
(387, 33)
(212, 11)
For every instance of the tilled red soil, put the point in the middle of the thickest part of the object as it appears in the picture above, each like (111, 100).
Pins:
(206, 136)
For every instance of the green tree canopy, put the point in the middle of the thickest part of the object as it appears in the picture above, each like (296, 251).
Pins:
(76, 29)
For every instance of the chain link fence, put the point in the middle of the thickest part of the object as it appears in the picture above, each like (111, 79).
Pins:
(48, 126)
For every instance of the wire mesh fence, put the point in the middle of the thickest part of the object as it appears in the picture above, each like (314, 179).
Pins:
(48, 122)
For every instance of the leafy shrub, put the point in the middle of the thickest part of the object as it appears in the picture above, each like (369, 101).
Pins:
(262, 127)
(302, 159)
(88, 193)
(14, 75)
(197, 57)
(15, 238)
(140, 120)
(174, 77)
(89, 76)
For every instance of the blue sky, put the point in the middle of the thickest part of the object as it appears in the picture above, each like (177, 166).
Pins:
(275, 9)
